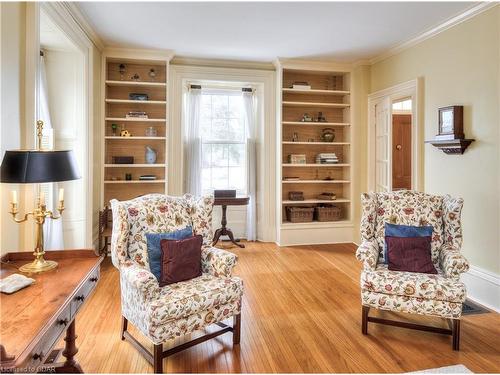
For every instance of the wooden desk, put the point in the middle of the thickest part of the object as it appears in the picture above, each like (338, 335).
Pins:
(224, 231)
(34, 318)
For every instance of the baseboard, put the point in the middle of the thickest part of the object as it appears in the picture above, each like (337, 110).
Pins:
(483, 287)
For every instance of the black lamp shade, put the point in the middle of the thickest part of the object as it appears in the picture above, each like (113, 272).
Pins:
(27, 167)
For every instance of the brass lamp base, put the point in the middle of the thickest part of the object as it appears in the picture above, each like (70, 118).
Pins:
(38, 265)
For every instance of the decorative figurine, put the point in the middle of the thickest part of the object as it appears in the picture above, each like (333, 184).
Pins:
(295, 137)
(124, 132)
(114, 127)
(135, 77)
(152, 74)
(122, 71)
(321, 118)
(307, 118)
(150, 155)
(328, 135)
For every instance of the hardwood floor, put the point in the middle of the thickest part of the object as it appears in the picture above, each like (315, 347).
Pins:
(301, 313)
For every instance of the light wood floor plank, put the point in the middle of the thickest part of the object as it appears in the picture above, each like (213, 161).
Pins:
(301, 313)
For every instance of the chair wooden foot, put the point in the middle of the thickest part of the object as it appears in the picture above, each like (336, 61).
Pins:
(364, 319)
(158, 358)
(455, 333)
(124, 327)
(236, 329)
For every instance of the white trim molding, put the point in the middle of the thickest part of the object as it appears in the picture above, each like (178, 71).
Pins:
(483, 287)
(443, 26)
(81, 20)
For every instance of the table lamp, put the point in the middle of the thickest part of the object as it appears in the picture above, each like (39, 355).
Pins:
(35, 167)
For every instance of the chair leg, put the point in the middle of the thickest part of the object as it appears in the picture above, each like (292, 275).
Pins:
(124, 327)
(455, 331)
(236, 329)
(364, 319)
(158, 359)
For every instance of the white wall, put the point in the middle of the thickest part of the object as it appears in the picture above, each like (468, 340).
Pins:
(64, 69)
(12, 47)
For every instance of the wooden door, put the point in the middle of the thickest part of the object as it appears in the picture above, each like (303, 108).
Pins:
(383, 146)
(401, 152)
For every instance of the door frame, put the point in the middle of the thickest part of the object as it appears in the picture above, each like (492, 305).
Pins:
(410, 89)
(62, 17)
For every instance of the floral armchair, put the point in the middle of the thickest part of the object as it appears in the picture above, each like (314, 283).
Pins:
(164, 313)
(438, 295)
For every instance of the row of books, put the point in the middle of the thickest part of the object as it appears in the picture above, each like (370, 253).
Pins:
(327, 158)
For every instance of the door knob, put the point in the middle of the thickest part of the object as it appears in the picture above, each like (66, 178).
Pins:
(399, 147)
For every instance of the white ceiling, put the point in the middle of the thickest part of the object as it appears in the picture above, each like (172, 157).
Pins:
(262, 31)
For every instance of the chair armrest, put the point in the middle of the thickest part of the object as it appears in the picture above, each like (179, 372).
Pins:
(368, 253)
(217, 262)
(138, 282)
(452, 263)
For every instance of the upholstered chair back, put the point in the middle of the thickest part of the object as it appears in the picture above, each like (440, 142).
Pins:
(413, 208)
(156, 213)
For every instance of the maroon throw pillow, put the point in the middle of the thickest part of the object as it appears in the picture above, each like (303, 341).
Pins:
(410, 254)
(180, 260)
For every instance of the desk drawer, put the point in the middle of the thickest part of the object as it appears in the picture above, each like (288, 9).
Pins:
(40, 353)
(84, 291)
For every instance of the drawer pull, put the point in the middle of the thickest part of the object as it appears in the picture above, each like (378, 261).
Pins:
(38, 356)
(80, 298)
(93, 279)
(63, 322)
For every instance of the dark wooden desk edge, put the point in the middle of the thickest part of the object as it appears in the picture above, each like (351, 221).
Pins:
(226, 201)
(17, 256)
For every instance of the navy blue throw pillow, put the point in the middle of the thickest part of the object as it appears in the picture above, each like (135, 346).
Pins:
(154, 247)
(405, 231)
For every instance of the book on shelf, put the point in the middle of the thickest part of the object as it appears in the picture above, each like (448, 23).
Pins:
(147, 177)
(301, 87)
(327, 158)
(136, 114)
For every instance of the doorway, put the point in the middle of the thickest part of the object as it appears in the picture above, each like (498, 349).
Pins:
(401, 144)
(61, 105)
(394, 138)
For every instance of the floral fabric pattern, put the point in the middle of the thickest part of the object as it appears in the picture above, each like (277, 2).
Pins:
(177, 309)
(217, 262)
(193, 296)
(438, 295)
(412, 305)
(201, 209)
(453, 263)
(367, 253)
(413, 284)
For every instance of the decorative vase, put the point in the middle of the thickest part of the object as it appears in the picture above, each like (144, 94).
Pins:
(328, 135)
(150, 155)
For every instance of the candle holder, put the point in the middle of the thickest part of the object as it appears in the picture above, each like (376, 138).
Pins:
(39, 214)
(36, 167)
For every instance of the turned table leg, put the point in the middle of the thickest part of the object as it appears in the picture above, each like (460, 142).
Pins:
(70, 350)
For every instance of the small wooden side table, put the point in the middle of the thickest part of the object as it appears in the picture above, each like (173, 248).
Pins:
(34, 318)
(224, 231)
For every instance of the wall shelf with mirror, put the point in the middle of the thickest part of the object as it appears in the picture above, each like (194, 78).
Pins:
(135, 127)
(316, 151)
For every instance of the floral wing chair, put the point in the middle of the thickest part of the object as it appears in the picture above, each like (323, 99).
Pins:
(438, 295)
(164, 313)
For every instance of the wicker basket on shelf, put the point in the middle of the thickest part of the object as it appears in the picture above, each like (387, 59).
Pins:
(299, 214)
(327, 213)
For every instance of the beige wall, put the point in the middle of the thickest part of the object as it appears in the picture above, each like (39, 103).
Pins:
(461, 66)
(12, 34)
(360, 89)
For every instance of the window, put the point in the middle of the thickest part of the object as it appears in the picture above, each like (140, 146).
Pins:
(222, 123)
(404, 105)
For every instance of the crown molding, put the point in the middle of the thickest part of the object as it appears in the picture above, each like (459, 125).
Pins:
(138, 53)
(81, 20)
(453, 21)
(319, 65)
(240, 64)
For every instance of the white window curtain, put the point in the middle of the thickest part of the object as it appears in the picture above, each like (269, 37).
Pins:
(249, 109)
(52, 229)
(193, 142)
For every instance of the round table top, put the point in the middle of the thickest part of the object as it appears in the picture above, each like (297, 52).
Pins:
(231, 201)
